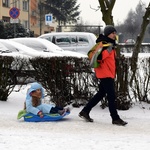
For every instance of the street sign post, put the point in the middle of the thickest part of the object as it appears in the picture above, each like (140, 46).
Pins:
(14, 12)
(48, 19)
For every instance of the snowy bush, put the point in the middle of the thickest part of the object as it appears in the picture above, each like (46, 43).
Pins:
(70, 80)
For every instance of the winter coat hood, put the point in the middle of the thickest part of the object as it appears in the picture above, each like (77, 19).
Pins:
(34, 86)
(105, 39)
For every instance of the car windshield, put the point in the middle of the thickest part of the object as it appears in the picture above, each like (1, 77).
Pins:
(3, 48)
(33, 44)
(9, 47)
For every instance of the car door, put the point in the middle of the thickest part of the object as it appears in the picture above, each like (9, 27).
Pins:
(73, 39)
(66, 42)
(83, 45)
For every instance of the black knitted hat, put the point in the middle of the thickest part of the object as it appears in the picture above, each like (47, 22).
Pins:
(109, 29)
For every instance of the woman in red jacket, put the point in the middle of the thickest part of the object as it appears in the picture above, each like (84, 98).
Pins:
(106, 74)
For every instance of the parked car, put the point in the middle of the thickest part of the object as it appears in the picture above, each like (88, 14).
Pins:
(80, 42)
(9, 49)
(46, 47)
(3, 48)
(21, 54)
(33, 49)
(43, 45)
(130, 41)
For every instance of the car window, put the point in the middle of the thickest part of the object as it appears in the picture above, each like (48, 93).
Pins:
(48, 38)
(73, 39)
(33, 44)
(82, 40)
(61, 40)
(3, 47)
(10, 47)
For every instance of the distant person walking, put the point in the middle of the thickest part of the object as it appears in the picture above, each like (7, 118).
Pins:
(106, 74)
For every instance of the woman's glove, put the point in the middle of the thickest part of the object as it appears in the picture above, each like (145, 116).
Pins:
(40, 114)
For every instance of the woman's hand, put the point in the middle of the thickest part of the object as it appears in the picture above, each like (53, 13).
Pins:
(40, 114)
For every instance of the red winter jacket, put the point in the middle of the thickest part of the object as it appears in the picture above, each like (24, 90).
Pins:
(107, 68)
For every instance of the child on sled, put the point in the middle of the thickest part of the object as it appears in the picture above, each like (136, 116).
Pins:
(34, 105)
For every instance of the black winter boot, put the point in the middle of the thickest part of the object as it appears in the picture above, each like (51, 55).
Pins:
(85, 116)
(119, 122)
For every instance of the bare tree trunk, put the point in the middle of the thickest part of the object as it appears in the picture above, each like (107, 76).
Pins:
(106, 9)
(136, 49)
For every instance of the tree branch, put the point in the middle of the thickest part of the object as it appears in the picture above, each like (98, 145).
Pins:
(136, 49)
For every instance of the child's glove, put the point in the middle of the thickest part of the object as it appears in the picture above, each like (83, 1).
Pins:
(40, 114)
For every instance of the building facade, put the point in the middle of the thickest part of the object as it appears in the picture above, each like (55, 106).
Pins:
(29, 15)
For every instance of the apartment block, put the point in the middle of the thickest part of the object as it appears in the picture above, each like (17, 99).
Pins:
(28, 15)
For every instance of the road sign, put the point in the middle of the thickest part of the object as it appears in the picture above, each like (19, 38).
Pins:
(14, 12)
(48, 19)
(14, 20)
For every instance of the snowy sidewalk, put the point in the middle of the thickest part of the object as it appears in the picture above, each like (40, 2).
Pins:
(72, 132)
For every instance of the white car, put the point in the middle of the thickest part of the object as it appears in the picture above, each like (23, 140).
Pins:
(7, 49)
(3, 48)
(80, 42)
(43, 45)
(130, 41)
(16, 48)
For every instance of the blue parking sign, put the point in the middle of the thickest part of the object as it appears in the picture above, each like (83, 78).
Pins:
(48, 19)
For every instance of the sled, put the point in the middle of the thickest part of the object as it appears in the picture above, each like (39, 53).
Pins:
(29, 117)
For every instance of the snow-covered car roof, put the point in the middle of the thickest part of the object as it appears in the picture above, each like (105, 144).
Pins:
(46, 46)
(8, 49)
(68, 33)
(18, 49)
(3, 48)
(38, 44)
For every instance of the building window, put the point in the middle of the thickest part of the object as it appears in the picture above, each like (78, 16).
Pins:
(25, 24)
(6, 3)
(25, 5)
(6, 19)
(16, 3)
(33, 13)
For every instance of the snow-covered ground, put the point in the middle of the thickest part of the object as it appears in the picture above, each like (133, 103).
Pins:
(72, 133)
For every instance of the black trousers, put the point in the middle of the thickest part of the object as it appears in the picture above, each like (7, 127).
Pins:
(55, 109)
(106, 87)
